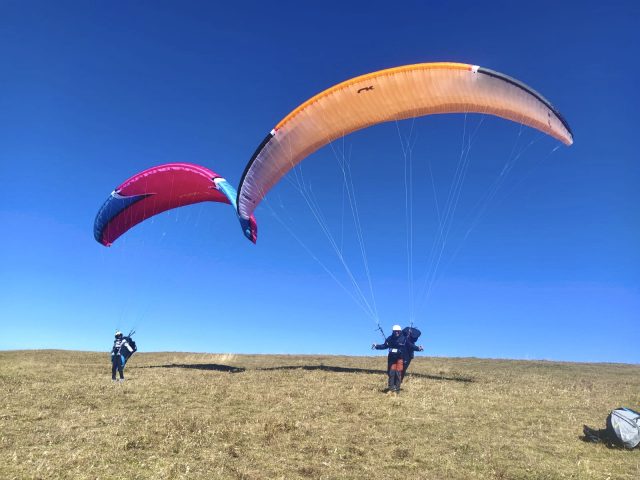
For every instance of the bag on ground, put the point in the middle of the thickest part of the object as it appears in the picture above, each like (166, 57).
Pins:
(622, 430)
(624, 424)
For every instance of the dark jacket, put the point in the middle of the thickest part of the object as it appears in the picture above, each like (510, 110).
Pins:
(396, 346)
(409, 348)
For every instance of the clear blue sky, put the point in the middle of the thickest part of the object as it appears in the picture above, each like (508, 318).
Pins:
(94, 92)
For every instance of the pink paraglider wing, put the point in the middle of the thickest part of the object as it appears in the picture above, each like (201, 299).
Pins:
(153, 191)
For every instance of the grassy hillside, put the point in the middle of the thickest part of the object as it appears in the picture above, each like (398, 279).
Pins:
(264, 417)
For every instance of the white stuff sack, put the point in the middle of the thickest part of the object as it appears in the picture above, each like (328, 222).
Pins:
(625, 424)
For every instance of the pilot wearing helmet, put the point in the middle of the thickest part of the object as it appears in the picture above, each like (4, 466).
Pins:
(396, 343)
(117, 358)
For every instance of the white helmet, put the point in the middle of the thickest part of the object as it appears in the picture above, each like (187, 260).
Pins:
(118, 333)
(396, 328)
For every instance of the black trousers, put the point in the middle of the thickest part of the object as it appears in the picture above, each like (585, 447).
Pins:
(407, 361)
(116, 363)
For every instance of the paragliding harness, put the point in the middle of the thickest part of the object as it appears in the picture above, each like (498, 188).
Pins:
(412, 333)
(125, 354)
(623, 429)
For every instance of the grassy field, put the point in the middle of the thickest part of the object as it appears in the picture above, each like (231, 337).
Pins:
(183, 415)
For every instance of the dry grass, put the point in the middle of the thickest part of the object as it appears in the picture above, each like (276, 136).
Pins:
(251, 417)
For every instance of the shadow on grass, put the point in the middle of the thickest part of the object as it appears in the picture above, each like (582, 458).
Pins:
(325, 368)
(331, 368)
(201, 366)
